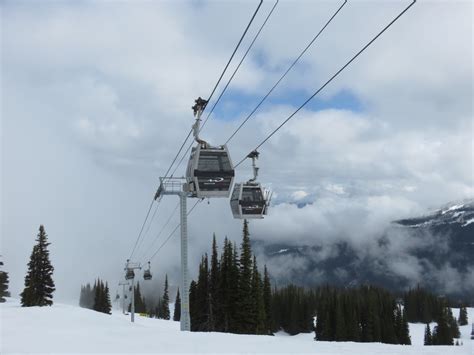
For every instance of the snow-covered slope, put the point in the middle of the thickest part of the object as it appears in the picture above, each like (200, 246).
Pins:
(69, 329)
(458, 213)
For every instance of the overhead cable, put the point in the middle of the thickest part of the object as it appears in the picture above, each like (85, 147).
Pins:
(240, 63)
(227, 84)
(286, 72)
(189, 134)
(329, 80)
(215, 87)
(235, 50)
(173, 231)
(161, 231)
(141, 229)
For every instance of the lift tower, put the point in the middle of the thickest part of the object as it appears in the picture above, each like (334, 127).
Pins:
(130, 275)
(177, 186)
(123, 284)
(181, 186)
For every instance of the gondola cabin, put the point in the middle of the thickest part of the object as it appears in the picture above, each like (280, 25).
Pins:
(210, 172)
(147, 275)
(130, 274)
(248, 201)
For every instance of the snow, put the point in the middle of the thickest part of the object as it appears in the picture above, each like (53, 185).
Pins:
(420, 224)
(452, 208)
(70, 329)
(468, 222)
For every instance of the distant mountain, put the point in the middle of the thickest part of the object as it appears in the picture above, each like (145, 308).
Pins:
(435, 250)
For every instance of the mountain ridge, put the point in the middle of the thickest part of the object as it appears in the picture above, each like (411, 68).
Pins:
(435, 250)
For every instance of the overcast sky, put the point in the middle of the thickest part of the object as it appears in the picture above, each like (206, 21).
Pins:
(96, 99)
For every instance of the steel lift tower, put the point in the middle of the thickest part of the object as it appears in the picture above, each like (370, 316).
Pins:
(178, 187)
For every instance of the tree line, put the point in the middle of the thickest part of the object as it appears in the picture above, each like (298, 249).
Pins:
(96, 297)
(363, 314)
(424, 307)
(230, 294)
(156, 307)
(445, 331)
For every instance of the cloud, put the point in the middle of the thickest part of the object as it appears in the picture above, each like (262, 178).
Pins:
(96, 101)
(298, 195)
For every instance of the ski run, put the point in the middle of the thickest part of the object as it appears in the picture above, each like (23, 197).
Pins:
(67, 329)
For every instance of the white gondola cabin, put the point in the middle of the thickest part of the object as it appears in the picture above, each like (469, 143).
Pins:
(210, 172)
(249, 199)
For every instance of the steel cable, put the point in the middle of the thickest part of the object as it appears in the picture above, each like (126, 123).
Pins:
(329, 80)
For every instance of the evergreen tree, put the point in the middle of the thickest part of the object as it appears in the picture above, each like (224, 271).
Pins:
(340, 330)
(405, 331)
(442, 334)
(177, 308)
(267, 299)
(39, 284)
(453, 324)
(82, 296)
(428, 339)
(90, 293)
(139, 302)
(213, 288)
(364, 314)
(158, 309)
(107, 303)
(3, 284)
(258, 303)
(398, 322)
(234, 289)
(101, 297)
(245, 317)
(227, 289)
(422, 306)
(193, 309)
(202, 299)
(463, 316)
(165, 308)
(86, 299)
